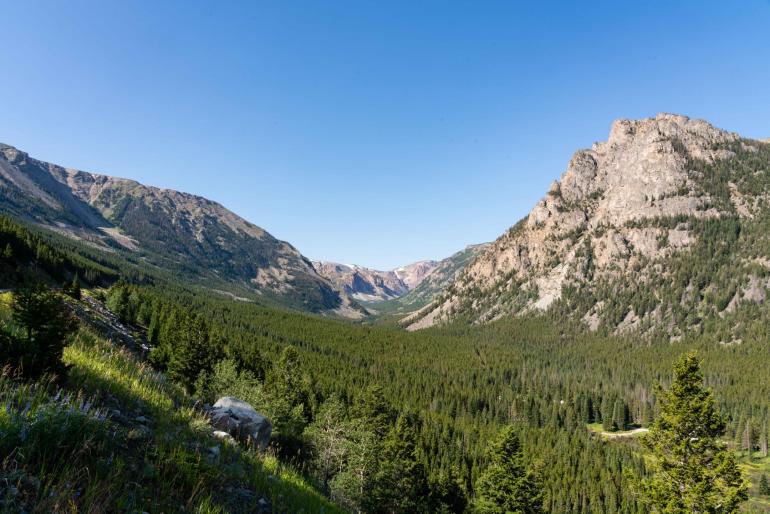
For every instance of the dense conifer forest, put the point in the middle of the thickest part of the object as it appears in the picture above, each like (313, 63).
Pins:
(378, 419)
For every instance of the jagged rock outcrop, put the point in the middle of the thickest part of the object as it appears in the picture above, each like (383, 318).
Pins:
(370, 285)
(360, 283)
(241, 421)
(622, 209)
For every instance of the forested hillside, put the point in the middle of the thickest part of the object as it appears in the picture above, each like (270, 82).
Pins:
(461, 384)
(376, 418)
(194, 238)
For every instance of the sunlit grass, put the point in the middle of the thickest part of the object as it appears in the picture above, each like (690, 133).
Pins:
(753, 469)
(121, 438)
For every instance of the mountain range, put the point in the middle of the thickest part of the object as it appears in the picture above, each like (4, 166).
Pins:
(197, 238)
(187, 234)
(369, 285)
(661, 227)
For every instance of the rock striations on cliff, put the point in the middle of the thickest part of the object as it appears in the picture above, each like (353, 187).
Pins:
(622, 217)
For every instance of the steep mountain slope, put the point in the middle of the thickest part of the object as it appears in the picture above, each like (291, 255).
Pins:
(362, 283)
(187, 234)
(374, 286)
(413, 274)
(663, 225)
(442, 274)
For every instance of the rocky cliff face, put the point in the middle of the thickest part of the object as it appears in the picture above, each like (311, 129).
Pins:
(623, 211)
(362, 283)
(183, 233)
(413, 274)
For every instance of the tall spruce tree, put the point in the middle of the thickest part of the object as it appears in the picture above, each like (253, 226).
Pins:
(693, 472)
(764, 486)
(401, 484)
(45, 322)
(73, 289)
(506, 486)
(196, 351)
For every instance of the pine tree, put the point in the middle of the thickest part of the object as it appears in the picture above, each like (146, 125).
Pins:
(506, 486)
(764, 486)
(45, 323)
(118, 302)
(74, 288)
(289, 390)
(693, 470)
(746, 440)
(618, 422)
(401, 484)
(447, 494)
(196, 351)
(373, 407)
(606, 410)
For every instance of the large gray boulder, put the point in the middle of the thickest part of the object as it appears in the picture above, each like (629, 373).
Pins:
(240, 420)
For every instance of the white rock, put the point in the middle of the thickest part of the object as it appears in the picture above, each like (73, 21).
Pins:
(239, 419)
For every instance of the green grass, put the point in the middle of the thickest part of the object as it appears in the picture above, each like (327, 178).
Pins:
(753, 470)
(598, 428)
(80, 448)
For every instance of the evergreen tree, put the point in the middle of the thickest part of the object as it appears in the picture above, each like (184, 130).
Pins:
(195, 352)
(74, 288)
(606, 410)
(401, 484)
(373, 407)
(118, 302)
(45, 322)
(506, 486)
(289, 391)
(619, 420)
(693, 470)
(447, 494)
(764, 486)
(287, 380)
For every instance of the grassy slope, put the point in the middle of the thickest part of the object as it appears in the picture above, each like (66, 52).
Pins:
(753, 470)
(82, 448)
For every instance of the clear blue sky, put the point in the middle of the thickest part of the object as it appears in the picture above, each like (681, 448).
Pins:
(372, 132)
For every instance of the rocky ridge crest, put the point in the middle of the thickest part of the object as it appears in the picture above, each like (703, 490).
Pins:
(621, 205)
